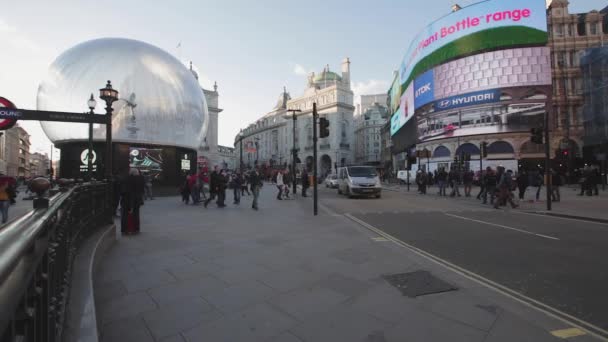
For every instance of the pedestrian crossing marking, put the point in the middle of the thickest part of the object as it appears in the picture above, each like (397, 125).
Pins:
(567, 333)
(380, 239)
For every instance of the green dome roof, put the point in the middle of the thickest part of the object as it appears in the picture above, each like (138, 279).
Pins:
(327, 76)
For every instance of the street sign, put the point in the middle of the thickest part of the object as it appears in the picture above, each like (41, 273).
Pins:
(8, 114)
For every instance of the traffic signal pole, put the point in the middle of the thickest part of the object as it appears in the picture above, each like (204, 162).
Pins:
(314, 163)
(548, 175)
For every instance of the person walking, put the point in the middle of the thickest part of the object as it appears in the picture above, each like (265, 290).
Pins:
(482, 184)
(537, 181)
(287, 181)
(132, 199)
(222, 184)
(193, 187)
(454, 180)
(556, 182)
(522, 183)
(255, 182)
(237, 182)
(305, 182)
(5, 199)
(468, 182)
(441, 178)
(148, 186)
(490, 182)
(279, 182)
(185, 190)
(213, 180)
(245, 184)
(203, 181)
(505, 186)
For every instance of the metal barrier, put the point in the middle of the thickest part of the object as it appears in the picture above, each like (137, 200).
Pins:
(36, 255)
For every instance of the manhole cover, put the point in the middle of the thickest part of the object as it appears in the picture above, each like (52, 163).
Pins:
(418, 283)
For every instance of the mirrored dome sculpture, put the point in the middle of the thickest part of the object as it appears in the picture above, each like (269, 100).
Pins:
(160, 101)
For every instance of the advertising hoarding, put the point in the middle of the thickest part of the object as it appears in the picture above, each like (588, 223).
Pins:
(148, 160)
(424, 89)
(405, 112)
(395, 94)
(488, 25)
(470, 99)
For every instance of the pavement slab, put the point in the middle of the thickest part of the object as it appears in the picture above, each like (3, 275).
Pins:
(279, 274)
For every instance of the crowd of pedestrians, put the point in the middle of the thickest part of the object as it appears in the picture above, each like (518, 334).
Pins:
(499, 185)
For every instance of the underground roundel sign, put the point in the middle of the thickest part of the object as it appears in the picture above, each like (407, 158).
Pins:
(6, 123)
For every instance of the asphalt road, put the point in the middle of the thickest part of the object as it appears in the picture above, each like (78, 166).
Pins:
(559, 262)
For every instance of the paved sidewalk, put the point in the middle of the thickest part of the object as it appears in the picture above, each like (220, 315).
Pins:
(593, 207)
(279, 274)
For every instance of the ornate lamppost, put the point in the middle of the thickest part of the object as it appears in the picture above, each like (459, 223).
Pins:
(109, 95)
(92, 104)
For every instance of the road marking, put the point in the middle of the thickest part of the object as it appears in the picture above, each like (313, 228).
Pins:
(532, 303)
(567, 333)
(501, 226)
(380, 239)
(541, 214)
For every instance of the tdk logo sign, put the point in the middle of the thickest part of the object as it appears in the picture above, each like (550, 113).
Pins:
(425, 88)
(469, 99)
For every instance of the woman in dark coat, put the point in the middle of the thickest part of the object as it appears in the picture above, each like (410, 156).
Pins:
(132, 199)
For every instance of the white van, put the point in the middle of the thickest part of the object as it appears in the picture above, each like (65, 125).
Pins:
(359, 181)
(402, 176)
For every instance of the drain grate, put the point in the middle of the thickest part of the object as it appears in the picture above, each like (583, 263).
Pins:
(418, 283)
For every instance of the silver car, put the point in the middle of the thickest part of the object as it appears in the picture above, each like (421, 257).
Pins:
(331, 181)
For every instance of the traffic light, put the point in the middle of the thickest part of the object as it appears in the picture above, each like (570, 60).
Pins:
(536, 135)
(323, 127)
(484, 149)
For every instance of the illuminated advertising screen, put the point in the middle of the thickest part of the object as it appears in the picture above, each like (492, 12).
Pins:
(405, 111)
(491, 111)
(424, 89)
(147, 160)
(487, 25)
(395, 95)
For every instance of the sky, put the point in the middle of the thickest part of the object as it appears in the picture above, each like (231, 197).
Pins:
(252, 49)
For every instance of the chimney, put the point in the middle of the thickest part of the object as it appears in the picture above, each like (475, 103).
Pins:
(346, 71)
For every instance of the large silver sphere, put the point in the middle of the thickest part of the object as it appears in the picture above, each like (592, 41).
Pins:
(160, 101)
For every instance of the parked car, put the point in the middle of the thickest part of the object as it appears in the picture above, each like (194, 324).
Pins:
(402, 176)
(359, 181)
(331, 182)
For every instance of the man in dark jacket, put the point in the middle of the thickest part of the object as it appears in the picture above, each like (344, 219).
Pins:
(222, 184)
(213, 180)
(442, 178)
(490, 181)
(237, 182)
(305, 182)
(256, 183)
(505, 185)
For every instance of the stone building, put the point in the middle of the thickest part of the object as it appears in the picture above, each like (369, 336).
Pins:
(39, 164)
(15, 147)
(570, 34)
(270, 139)
(368, 140)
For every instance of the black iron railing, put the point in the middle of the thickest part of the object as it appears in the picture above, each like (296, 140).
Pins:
(36, 255)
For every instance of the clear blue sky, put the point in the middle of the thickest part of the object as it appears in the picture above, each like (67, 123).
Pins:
(251, 48)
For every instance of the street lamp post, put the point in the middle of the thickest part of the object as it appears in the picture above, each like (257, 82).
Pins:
(241, 151)
(92, 104)
(293, 150)
(109, 95)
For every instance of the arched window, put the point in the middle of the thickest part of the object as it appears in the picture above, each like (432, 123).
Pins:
(441, 152)
(468, 148)
(500, 147)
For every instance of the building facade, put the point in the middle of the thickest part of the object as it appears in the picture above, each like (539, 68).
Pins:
(368, 135)
(570, 34)
(270, 140)
(594, 65)
(39, 164)
(16, 149)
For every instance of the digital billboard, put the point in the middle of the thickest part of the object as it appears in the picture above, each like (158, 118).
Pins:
(487, 25)
(148, 160)
(424, 89)
(484, 112)
(405, 112)
(395, 94)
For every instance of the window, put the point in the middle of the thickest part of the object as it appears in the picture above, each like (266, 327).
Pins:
(569, 30)
(593, 27)
(559, 30)
(561, 59)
